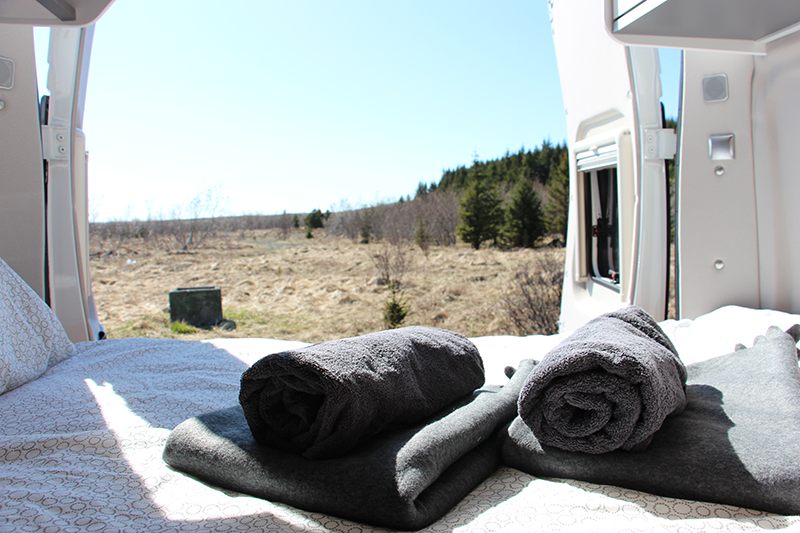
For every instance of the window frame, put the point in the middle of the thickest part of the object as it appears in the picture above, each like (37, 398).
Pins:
(608, 150)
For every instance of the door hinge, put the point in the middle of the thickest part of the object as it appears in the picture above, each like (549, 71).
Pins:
(660, 143)
(55, 142)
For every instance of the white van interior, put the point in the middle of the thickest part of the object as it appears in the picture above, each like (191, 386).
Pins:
(85, 419)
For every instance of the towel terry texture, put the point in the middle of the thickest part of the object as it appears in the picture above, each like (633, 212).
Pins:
(323, 400)
(737, 442)
(404, 479)
(608, 386)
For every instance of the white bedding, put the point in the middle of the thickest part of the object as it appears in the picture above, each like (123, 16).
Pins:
(81, 446)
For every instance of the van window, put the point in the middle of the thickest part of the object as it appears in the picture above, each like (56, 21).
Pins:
(602, 225)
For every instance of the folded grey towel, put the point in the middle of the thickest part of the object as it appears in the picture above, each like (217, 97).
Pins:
(737, 442)
(404, 479)
(609, 385)
(322, 400)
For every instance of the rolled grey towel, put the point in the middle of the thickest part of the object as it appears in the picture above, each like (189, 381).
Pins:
(608, 386)
(322, 400)
(736, 443)
(403, 479)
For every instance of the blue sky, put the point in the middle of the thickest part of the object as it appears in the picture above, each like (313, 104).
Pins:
(306, 104)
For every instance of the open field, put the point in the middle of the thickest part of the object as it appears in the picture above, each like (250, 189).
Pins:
(304, 289)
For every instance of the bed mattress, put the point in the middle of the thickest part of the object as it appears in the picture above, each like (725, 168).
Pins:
(81, 446)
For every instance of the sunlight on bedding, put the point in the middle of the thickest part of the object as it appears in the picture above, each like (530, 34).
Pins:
(114, 408)
(172, 495)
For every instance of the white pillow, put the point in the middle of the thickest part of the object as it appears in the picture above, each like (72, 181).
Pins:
(31, 337)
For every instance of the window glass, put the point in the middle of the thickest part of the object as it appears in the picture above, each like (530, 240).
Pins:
(602, 220)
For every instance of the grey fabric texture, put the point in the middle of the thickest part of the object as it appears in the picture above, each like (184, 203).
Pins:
(325, 399)
(403, 479)
(737, 442)
(608, 386)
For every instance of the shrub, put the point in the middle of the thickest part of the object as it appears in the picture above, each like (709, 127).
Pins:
(285, 225)
(534, 301)
(392, 264)
(397, 222)
(191, 224)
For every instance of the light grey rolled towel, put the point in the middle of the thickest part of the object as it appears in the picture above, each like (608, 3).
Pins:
(323, 400)
(608, 386)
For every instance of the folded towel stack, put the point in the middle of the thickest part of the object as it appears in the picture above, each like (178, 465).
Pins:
(608, 386)
(395, 415)
(323, 400)
(737, 442)
(402, 479)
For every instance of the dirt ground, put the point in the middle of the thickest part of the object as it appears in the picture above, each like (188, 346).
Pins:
(303, 289)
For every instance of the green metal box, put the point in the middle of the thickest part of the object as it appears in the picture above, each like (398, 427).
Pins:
(198, 306)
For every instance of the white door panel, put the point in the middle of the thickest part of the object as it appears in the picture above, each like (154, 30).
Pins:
(21, 172)
(611, 94)
(717, 235)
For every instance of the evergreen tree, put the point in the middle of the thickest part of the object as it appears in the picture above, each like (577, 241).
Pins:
(422, 237)
(314, 219)
(524, 220)
(481, 213)
(365, 229)
(557, 209)
(396, 307)
(543, 160)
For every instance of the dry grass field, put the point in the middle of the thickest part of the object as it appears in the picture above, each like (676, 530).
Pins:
(304, 289)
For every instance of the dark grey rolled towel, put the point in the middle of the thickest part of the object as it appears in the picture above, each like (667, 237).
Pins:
(322, 400)
(403, 479)
(736, 443)
(608, 386)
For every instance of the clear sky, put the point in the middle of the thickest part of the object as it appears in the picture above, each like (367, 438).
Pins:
(297, 105)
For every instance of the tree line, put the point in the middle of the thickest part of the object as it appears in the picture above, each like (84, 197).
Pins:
(515, 200)
(511, 201)
(531, 165)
